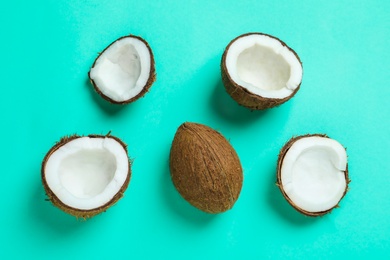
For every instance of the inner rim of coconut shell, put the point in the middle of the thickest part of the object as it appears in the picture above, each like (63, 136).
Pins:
(313, 173)
(87, 173)
(264, 66)
(123, 69)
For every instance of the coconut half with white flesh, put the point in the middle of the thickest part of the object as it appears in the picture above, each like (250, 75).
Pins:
(260, 71)
(312, 173)
(124, 71)
(84, 176)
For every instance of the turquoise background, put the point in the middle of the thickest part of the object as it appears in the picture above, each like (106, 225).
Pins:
(47, 50)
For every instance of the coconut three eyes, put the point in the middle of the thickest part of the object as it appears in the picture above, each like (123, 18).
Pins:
(84, 176)
(312, 173)
(260, 71)
(205, 169)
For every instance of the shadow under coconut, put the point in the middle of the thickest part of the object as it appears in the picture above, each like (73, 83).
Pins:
(280, 205)
(179, 205)
(107, 107)
(46, 216)
(229, 109)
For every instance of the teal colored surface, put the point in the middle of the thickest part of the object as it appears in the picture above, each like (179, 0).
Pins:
(47, 50)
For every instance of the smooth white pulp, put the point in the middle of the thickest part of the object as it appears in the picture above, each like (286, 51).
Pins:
(312, 173)
(263, 66)
(122, 70)
(86, 173)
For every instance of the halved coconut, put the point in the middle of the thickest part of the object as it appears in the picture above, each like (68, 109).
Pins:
(260, 71)
(312, 173)
(124, 71)
(84, 176)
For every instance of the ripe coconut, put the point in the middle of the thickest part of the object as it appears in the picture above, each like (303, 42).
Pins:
(124, 71)
(312, 173)
(84, 176)
(260, 71)
(205, 169)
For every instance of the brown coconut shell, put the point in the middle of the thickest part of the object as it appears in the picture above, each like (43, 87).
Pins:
(205, 168)
(243, 96)
(74, 211)
(149, 83)
(281, 156)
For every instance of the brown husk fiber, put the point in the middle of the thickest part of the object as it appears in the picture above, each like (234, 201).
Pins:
(149, 83)
(243, 96)
(282, 154)
(205, 168)
(74, 211)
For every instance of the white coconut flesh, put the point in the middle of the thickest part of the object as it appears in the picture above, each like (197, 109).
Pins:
(121, 72)
(313, 173)
(264, 66)
(87, 173)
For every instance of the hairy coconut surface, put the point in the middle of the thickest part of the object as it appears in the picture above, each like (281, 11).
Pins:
(205, 168)
(124, 71)
(84, 176)
(312, 173)
(260, 71)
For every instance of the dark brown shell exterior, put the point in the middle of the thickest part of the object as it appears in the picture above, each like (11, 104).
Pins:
(243, 96)
(70, 210)
(149, 83)
(205, 168)
(282, 154)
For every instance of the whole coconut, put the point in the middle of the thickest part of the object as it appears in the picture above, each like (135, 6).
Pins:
(205, 168)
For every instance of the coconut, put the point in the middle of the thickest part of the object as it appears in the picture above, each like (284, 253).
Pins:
(260, 71)
(124, 71)
(84, 176)
(312, 173)
(205, 168)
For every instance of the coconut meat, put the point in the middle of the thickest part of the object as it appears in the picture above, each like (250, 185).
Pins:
(123, 69)
(313, 173)
(264, 66)
(87, 173)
